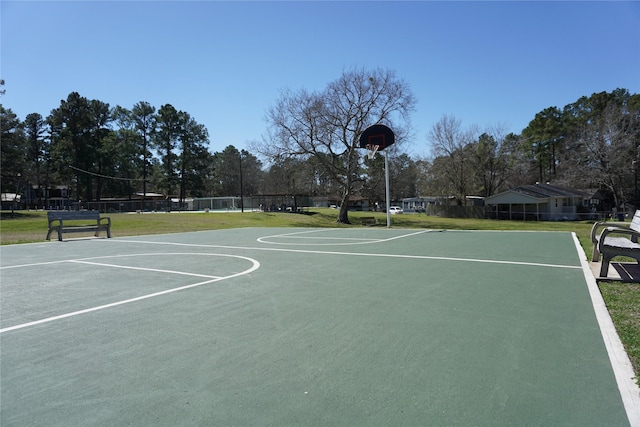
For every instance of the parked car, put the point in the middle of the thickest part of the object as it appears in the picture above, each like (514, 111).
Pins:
(395, 210)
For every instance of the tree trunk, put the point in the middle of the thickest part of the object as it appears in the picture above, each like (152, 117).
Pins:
(343, 216)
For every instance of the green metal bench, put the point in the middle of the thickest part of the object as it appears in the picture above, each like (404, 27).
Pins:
(77, 222)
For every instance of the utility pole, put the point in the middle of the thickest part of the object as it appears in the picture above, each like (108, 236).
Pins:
(241, 187)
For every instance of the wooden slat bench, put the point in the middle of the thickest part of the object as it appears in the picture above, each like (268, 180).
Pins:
(76, 222)
(368, 220)
(616, 239)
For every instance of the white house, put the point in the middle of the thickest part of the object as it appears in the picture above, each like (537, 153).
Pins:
(417, 204)
(535, 202)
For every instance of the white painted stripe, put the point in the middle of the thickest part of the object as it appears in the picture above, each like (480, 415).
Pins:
(255, 265)
(622, 368)
(156, 270)
(149, 254)
(33, 264)
(260, 239)
(315, 230)
(406, 235)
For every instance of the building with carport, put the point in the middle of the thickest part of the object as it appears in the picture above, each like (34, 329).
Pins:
(539, 202)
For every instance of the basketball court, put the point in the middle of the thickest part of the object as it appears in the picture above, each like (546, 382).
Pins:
(351, 326)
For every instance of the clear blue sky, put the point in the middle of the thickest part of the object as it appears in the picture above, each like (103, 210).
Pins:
(486, 63)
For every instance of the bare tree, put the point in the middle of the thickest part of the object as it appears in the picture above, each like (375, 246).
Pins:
(451, 153)
(326, 125)
(609, 144)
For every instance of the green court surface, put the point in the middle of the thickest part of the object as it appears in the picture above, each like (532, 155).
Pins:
(307, 327)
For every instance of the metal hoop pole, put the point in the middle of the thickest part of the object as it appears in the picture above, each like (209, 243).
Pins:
(387, 192)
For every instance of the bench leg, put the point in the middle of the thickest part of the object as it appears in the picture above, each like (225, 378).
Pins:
(595, 257)
(58, 230)
(107, 229)
(604, 268)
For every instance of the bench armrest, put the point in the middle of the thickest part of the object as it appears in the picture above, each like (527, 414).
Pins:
(633, 235)
(598, 225)
(105, 218)
(594, 231)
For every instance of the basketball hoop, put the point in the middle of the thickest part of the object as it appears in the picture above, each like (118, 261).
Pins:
(376, 138)
(372, 150)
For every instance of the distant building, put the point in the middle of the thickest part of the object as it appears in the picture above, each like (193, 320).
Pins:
(10, 201)
(540, 202)
(418, 204)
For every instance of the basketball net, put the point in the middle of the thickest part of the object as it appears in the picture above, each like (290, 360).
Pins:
(373, 149)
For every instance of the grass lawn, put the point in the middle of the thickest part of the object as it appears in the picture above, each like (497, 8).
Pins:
(622, 299)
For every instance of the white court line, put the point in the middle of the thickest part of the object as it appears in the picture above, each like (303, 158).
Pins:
(255, 265)
(6, 267)
(318, 230)
(356, 254)
(319, 238)
(353, 240)
(156, 270)
(407, 235)
(622, 368)
(88, 260)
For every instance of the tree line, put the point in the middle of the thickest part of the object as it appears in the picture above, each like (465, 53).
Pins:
(311, 148)
(98, 152)
(592, 143)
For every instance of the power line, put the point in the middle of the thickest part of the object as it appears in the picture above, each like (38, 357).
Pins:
(106, 176)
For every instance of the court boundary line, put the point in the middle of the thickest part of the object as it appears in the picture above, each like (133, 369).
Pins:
(618, 357)
(254, 267)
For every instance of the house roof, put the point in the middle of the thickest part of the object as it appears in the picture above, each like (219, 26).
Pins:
(544, 191)
(537, 192)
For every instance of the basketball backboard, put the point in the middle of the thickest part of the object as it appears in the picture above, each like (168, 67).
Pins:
(377, 135)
